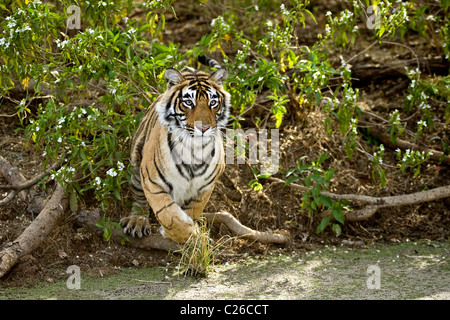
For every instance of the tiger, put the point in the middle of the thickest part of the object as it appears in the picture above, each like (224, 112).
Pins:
(177, 153)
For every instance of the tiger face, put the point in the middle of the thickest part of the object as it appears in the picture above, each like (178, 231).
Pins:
(195, 102)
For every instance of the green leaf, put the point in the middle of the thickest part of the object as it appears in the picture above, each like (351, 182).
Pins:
(326, 201)
(308, 181)
(323, 224)
(336, 229)
(337, 212)
(382, 178)
(329, 174)
(289, 172)
(322, 158)
(291, 179)
(306, 201)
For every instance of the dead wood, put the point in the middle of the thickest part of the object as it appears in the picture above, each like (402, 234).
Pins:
(280, 237)
(375, 203)
(364, 73)
(36, 232)
(13, 176)
(437, 156)
(18, 184)
(88, 219)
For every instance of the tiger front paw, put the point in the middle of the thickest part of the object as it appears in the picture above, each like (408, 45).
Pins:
(136, 226)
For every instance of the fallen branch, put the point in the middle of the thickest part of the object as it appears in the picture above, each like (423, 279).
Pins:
(375, 203)
(18, 184)
(35, 233)
(89, 218)
(29, 183)
(364, 73)
(12, 176)
(435, 155)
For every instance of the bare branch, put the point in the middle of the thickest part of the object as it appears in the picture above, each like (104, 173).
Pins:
(376, 203)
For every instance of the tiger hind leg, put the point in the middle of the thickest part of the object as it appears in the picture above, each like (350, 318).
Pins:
(137, 224)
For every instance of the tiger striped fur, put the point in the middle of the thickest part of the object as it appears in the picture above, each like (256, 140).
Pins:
(177, 153)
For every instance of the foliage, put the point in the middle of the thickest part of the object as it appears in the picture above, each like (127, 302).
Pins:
(107, 226)
(317, 180)
(86, 89)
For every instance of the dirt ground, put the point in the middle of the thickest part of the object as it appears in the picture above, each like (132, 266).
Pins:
(275, 207)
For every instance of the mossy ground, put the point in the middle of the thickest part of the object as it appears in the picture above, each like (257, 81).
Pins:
(410, 270)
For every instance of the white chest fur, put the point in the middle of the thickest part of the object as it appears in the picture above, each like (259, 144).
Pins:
(191, 163)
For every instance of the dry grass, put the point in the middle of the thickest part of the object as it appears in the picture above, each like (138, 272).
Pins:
(199, 252)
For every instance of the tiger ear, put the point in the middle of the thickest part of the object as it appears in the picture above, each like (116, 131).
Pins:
(173, 77)
(219, 76)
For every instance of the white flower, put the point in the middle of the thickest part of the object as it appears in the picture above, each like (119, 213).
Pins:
(328, 13)
(422, 123)
(11, 24)
(111, 172)
(120, 166)
(283, 10)
(98, 182)
(26, 27)
(59, 139)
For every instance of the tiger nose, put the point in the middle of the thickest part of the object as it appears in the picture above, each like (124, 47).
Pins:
(204, 128)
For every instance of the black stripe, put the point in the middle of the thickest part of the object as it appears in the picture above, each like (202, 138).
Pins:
(180, 171)
(170, 142)
(166, 206)
(161, 176)
(214, 174)
(148, 177)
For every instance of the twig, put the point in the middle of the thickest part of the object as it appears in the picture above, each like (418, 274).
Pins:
(39, 177)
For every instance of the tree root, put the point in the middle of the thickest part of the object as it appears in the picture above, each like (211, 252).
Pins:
(281, 237)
